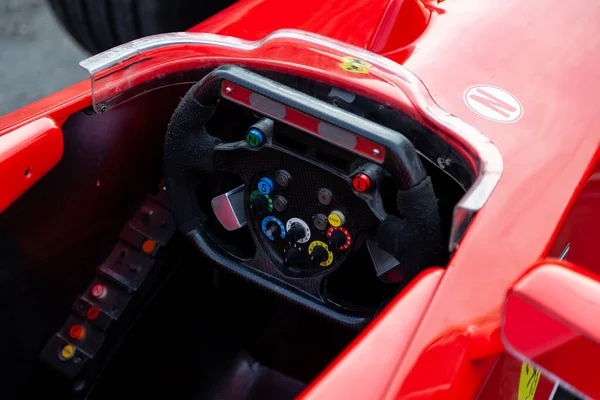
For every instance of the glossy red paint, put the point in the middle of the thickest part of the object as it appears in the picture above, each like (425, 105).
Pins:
(58, 106)
(362, 367)
(548, 155)
(400, 28)
(515, 229)
(387, 27)
(547, 321)
(577, 241)
(503, 382)
(26, 155)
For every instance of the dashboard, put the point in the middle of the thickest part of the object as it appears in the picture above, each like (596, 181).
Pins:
(308, 200)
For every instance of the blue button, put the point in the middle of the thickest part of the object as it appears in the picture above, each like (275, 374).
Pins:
(265, 186)
(255, 138)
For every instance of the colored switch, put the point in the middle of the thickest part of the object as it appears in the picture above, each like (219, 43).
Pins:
(99, 291)
(93, 313)
(339, 238)
(273, 228)
(255, 138)
(77, 332)
(67, 352)
(148, 246)
(361, 183)
(265, 185)
(320, 254)
(336, 218)
(258, 133)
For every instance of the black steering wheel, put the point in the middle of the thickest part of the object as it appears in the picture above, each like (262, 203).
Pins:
(413, 236)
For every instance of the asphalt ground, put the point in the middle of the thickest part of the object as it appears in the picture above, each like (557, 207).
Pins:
(37, 56)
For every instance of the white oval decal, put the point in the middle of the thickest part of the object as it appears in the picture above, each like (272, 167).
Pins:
(493, 103)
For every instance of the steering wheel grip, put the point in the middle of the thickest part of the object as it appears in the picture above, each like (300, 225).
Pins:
(188, 149)
(415, 238)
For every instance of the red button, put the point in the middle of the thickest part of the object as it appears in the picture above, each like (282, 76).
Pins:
(77, 332)
(93, 313)
(361, 183)
(99, 291)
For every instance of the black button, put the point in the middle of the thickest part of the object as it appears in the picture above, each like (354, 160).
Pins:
(337, 240)
(296, 232)
(318, 255)
(260, 204)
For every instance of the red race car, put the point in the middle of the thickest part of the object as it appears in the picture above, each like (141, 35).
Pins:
(315, 200)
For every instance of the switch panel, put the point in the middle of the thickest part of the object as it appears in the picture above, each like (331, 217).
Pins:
(83, 335)
(114, 300)
(63, 356)
(154, 221)
(288, 216)
(94, 315)
(127, 265)
(99, 310)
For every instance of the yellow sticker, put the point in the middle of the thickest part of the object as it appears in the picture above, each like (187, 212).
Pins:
(528, 382)
(355, 65)
(316, 243)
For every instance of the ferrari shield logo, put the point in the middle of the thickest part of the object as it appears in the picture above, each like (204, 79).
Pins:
(355, 65)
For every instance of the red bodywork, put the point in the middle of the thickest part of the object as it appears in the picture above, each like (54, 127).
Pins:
(440, 339)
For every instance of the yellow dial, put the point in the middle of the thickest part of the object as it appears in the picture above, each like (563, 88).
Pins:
(316, 243)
